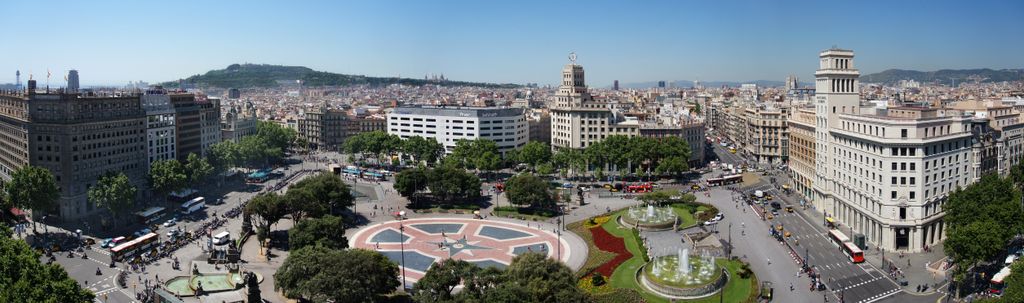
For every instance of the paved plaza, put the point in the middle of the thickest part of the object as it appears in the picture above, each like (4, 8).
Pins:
(487, 243)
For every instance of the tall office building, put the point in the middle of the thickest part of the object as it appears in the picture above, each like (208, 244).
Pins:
(324, 128)
(72, 80)
(209, 123)
(160, 134)
(76, 137)
(661, 84)
(792, 83)
(507, 127)
(885, 172)
(577, 120)
(187, 125)
(615, 85)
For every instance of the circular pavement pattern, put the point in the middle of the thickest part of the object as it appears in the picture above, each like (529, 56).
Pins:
(482, 242)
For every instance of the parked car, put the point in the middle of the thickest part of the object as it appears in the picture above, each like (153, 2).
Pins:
(170, 222)
(108, 242)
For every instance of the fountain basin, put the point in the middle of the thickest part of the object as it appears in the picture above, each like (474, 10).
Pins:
(649, 218)
(661, 277)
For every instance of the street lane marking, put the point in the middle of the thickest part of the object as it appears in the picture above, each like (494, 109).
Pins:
(881, 296)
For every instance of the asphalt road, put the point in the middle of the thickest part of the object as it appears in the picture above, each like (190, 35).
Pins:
(845, 280)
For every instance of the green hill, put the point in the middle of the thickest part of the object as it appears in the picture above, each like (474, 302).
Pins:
(263, 75)
(893, 76)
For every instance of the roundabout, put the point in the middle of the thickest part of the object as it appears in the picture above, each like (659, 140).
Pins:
(486, 243)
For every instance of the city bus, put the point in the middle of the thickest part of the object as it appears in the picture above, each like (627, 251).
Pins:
(851, 250)
(725, 180)
(996, 285)
(150, 215)
(640, 188)
(183, 195)
(193, 205)
(134, 247)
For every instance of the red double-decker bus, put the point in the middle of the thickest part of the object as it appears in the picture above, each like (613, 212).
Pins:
(640, 188)
(851, 250)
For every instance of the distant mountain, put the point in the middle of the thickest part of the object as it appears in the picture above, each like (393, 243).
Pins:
(264, 75)
(893, 76)
(689, 84)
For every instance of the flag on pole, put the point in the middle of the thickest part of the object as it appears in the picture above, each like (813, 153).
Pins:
(47, 74)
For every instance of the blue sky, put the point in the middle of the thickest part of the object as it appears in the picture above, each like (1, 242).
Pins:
(509, 41)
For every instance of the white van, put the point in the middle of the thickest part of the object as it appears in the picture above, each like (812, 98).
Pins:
(221, 238)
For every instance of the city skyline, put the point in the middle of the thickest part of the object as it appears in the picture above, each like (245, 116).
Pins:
(486, 42)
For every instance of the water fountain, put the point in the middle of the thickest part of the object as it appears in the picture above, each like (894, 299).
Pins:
(649, 218)
(682, 276)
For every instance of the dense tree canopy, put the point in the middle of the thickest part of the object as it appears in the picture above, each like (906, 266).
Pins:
(441, 279)
(410, 181)
(528, 190)
(531, 277)
(301, 204)
(23, 278)
(33, 187)
(198, 169)
(422, 149)
(534, 153)
(327, 189)
(166, 176)
(981, 219)
(327, 231)
(113, 191)
(481, 154)
(323, 275)
(450, 184)
(265, 210)
(275, 135)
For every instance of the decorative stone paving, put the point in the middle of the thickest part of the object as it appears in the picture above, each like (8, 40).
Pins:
(483, 242)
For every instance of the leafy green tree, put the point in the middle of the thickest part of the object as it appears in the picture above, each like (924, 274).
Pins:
(450, 184)
(534, 153)
(1014, 291)
(672, 166)
(265, 210)
(697, 108)
(113, 191)
(327, 189)
(327, 231)
(26, 279)
(275, 134)
(546, 279)
(33, 187)
(301, 203)
(481, 154)
(656, 197)
(320, 274)
(198, 168)
(981, 218)
(545, 169)
(441, 279)
(225, 155)
(166, 176)
(423, 149)
(410, 181)
(376, 143)
(528, 190)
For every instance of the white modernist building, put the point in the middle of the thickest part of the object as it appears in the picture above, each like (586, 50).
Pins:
(448, 124)
(159, 126)
(884, 172)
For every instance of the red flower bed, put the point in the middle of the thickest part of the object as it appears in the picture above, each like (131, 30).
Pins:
(607, 242)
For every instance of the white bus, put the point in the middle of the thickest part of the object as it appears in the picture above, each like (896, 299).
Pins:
(221, 238)
(193, 205)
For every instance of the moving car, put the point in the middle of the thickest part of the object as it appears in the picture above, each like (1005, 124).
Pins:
(108, 242)
(170, 222)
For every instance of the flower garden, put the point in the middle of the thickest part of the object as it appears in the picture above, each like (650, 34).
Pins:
(617, 253)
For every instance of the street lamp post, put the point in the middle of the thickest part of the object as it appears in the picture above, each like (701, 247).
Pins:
(401, 229)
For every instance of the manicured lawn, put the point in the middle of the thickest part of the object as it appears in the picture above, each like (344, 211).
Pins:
(736, 290)
(685, 217)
